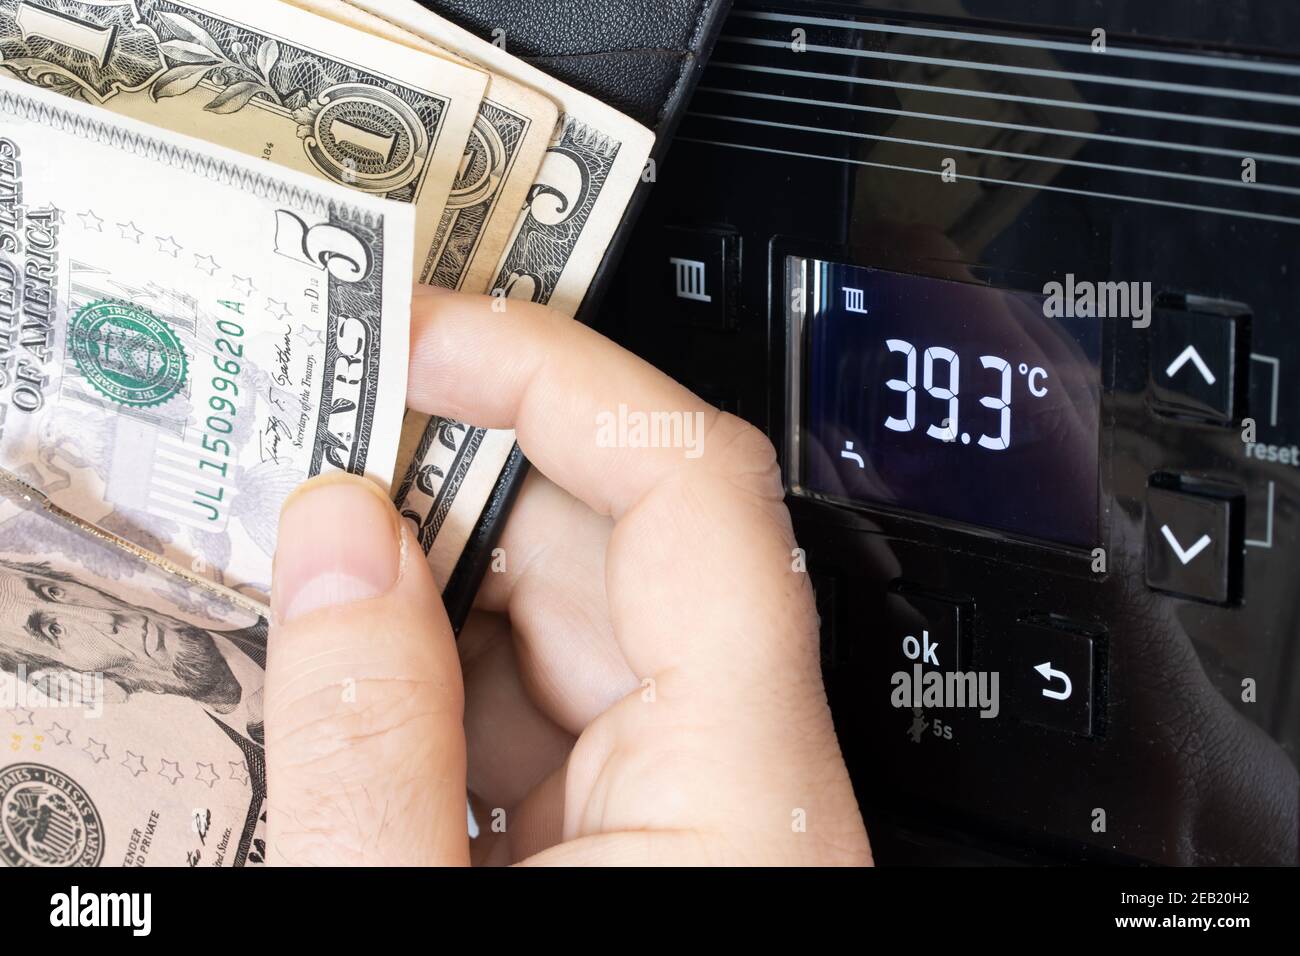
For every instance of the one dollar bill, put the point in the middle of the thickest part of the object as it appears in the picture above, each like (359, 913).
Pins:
(186, 334)
(266, 79)
(502, 156)
(595, 160)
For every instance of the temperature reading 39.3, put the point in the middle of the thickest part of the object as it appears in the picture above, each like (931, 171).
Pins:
(941, 379)
(949, 400)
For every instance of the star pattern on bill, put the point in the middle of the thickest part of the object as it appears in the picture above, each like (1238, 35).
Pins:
(168, 246)
(134, 763)
(90, 222)
(95, 750)
(207, 774)
(59, 734)
(310, 337)
(277, 310)
(238, 771)
(23, 716)
(244, 286)
(130, 232)
(170, 775)
(206, 264)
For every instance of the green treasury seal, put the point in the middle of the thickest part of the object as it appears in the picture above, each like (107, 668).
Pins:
(127, 353)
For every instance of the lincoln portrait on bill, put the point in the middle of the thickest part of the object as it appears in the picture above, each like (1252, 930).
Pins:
(51, 621)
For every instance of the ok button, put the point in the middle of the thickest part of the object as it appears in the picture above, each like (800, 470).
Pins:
(928, 629)
(922, 651)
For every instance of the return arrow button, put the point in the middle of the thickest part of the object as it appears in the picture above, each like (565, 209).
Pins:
(1051, 674)
(1049, 666)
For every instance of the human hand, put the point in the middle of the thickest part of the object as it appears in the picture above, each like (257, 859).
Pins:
(641, 683)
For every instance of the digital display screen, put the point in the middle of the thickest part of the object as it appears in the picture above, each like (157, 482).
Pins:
(950, 399)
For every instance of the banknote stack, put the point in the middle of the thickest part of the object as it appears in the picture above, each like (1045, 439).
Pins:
(212, 217)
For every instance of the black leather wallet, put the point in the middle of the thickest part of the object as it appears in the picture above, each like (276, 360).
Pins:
(642, 57)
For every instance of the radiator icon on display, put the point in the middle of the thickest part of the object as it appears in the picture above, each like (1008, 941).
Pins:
(853, 301)
(690, 280)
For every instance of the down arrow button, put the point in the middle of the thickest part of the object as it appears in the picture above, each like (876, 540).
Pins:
(1192, 537)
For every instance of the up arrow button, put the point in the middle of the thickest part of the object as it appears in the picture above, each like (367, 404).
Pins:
(1194, 365)
(1190, 354)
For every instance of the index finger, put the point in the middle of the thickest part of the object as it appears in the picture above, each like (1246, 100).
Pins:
(601, 423)
(703, 542)
(707, 599)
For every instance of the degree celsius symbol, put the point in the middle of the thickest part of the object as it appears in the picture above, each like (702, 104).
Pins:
(1035, 374)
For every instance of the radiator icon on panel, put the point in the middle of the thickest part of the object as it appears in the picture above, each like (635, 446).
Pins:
(690, 280)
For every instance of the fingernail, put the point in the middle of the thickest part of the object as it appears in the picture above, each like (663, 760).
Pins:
(339, 542)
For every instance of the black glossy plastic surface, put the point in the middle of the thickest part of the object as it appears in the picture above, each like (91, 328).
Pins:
(1117, 166)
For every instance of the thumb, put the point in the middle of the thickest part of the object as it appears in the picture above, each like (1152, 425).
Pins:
(365, 743)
